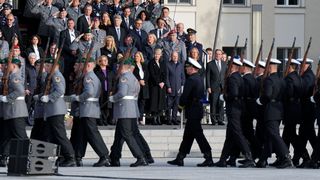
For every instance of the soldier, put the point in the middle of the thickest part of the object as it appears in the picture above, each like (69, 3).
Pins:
(17, 55)
(58, 23)
(190, 99)
(54, 112)
(126, 111)
(98, 34)
(81, 46)
(292, 104)
(3, 161)
(90, 111)
(154, 10)
(270, 98)
(14, 108)
(234, 93)
(306, 129)
(74, 10)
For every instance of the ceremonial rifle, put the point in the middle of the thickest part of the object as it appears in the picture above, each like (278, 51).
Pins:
(304, 61)
(243, 50)
(316, 85)
(258, 58)
(265, 73)
(290, 57)
(40, 71)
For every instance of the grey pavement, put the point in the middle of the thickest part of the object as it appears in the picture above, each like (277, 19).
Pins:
(160, 170)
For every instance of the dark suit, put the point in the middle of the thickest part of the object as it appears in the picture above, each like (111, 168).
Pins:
(124, 24)
(30, 49)
(144, 90)
(234, 104)
(190, 99)
(155, 32)
(113, 32)
(139, 40)
(99, 9)
(215, 81)
(69, 59)
(271, 97)
(82, 24)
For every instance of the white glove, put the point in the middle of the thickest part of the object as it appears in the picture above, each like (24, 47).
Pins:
(312, 99)
(4, 99)
(182, 87)
(258, 102)
(44, 99)
(221, 97)
(36, 97)
(111, 99)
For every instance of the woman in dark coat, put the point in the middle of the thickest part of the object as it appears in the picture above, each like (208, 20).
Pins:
(149, 47)
(157, 79)
(34, 47)
(110, 50)
(141, 73)
(106, 78)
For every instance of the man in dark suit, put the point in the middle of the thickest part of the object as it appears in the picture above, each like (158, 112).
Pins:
(160, 31)
(215, 81)
(118, 32)
(84, 21)
(99, 8)
(69, 35)
(127, 21)
(139, 35)
(271, 100)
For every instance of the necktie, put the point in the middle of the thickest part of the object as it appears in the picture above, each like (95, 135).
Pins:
(219, 65)
(118, 33)
(127, 22)
(160, 34)
(89, 20)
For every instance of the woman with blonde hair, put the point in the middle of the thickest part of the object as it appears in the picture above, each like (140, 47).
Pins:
(110, 50)
(106, 78)
(150, 46)
(105, 21)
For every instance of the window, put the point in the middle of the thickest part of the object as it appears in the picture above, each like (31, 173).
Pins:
(234, 2)
(179, 1)
(288, 2)
(283, 53)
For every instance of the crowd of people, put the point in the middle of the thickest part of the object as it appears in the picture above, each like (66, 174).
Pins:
(120, 62)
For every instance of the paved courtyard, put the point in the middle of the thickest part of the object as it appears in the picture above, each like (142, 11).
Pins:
(160, 170)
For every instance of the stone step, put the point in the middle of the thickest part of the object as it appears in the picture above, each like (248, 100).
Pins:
(164, 143)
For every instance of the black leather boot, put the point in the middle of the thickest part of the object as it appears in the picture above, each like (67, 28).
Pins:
(68, 162)
(285, 162)
(139, 162)
(220, 163)
(3, 161)
(79, 162)
(208, 160)
(261, 163)
(149, 158)
(306, 159)
(248, 161)
(115, 162)
(103, 161)
(232, 161)
(179, 160)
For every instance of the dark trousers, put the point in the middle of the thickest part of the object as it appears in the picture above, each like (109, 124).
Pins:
(216, 107)
(57, 134)
(125, 129)
(307, 133)
(234, 137)
(13, 129)
(193, 130)
(2, 138)
(93, 136)
(173, 102)
(37, 131)
(77, 138)
(290, 136)
(273, 142)
(249, 133)
(141, 106)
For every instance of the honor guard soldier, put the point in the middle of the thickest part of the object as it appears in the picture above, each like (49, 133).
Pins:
(270, 99)
(90, 111)
(292, 107)
(126, 111)
(14, 108)
(306, 129)
(54, 111)
(234, 93)
(190, 99)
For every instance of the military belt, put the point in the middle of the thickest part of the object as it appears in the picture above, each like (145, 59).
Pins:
(93, 99)
(20, 98)
(130, 98)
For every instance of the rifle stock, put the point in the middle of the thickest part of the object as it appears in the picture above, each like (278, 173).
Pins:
(243, 50)
(315, 89)
(290, 57)
(265, 73)
(228, 71)
(304, 61)
(55, 64)
(258, 58)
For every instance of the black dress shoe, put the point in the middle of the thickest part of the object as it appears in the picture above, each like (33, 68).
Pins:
(103, 161)
(284, 163)
(79, 162)
(68, 162)
(247, 163)
(139, 162)
(115, 163)
(220, 163)
(3, 161)
(231, 163)
(206, 163)
(177, 162)
(221, 123)
(149, 158)
(261, 164)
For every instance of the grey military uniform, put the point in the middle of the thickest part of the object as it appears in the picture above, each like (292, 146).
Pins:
(16, 106)
(56, 105)
(58, 25)
(4, 49)
(89, 98)
(74, 13)
(99, 36)
(1, 110)
(45, 12)
(169, 47)
(84, 46)
(125, 100)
